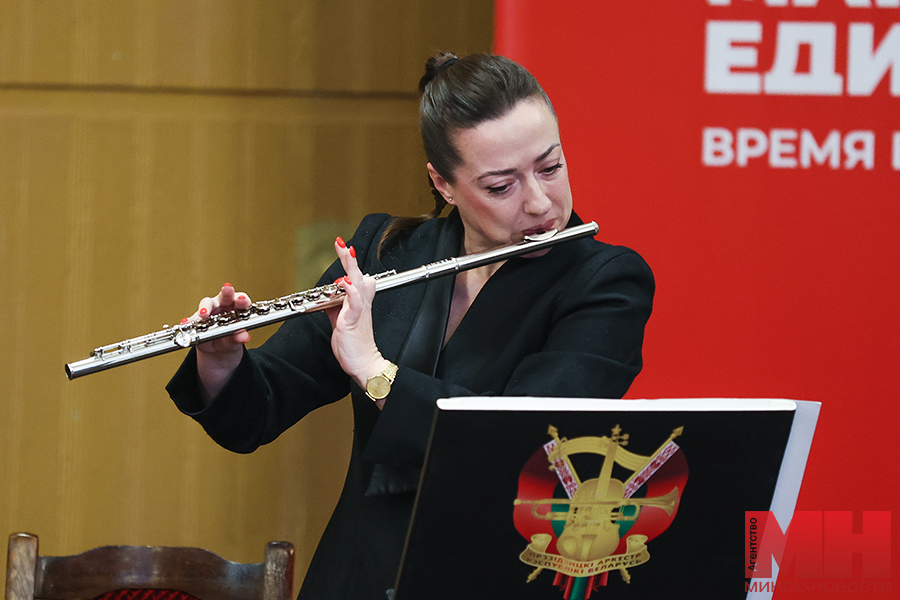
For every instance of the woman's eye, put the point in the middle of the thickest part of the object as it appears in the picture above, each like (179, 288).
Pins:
(552, 169)
(498, 189)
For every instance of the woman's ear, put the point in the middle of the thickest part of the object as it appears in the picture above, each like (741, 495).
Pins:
(440, 184)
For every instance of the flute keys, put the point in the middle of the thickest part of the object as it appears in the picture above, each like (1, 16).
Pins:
(183, 339)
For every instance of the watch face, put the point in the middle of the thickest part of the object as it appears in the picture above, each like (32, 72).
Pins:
(378, 387)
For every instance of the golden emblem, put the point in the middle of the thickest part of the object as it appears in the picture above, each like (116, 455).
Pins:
(597, 509)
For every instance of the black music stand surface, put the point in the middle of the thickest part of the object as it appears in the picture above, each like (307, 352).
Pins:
(721, 456)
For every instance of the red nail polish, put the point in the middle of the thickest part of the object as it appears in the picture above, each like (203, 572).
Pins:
(347, 280)
(352, 251)
(185, 321)
(203, 312)
(242, 297)
(341, 242)
(338, 280)
(228, 284)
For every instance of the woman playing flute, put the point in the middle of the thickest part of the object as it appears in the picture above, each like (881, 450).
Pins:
(566, 321)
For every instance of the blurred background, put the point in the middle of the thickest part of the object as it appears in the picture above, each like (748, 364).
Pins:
(150, 151)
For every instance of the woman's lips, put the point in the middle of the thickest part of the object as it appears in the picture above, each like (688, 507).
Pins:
(540, 228)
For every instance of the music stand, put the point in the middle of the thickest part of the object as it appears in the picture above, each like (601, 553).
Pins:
(690, 469)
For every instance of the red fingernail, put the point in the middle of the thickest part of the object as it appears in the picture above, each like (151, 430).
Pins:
(203, 312)
(352, 251)
(347, 280)
(185, 321)
(242, 297)
(228, 284)
(338, 280)
(340, 242)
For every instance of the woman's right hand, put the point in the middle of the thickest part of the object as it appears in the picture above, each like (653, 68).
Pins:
(218, 359)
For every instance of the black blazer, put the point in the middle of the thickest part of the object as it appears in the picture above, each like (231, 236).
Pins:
(567, 324)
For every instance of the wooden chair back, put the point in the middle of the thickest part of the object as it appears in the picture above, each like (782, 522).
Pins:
(145, 573)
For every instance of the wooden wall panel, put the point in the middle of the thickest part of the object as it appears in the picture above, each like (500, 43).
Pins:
(359, 45)
(150, 151)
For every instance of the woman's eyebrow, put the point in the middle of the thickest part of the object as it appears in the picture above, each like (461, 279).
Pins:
(547, 153)
(544, 155)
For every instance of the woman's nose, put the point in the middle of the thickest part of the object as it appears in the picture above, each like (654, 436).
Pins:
(536, 201)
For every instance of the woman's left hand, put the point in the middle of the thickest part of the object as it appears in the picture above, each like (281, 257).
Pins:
(353, 336)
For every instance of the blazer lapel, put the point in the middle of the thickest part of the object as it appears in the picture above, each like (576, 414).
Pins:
(422, 348)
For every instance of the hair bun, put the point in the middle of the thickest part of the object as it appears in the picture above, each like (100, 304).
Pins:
(435, 65)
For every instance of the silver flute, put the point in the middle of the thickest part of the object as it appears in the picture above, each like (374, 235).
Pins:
(260, 314)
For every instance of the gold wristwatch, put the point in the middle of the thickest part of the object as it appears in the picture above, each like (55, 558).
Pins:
(379, 386)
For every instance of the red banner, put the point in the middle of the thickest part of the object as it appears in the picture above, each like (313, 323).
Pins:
(750, 151)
